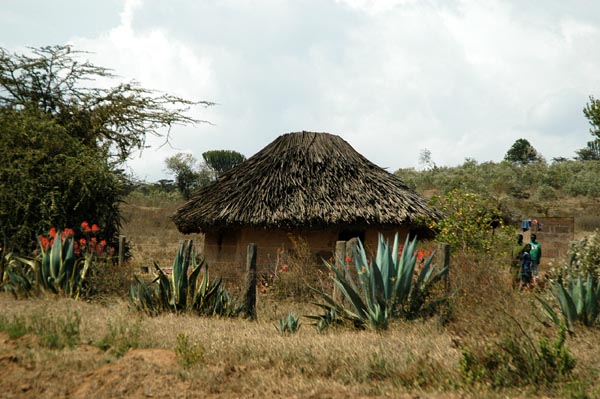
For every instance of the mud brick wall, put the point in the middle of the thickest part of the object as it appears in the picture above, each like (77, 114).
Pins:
(554, 236)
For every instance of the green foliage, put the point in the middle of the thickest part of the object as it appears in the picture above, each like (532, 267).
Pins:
(15, 328)
(222, 160)
(62, 140)
(187, 176)
(584, 260)
(288, 325)
(381, 288)
(50, 178)
(516, 361)
(584, 256)
(471, 222)
(579, 301)
(184, 289)
(522, 152)
(591, 152)
(188, 354)
(54, 332)
(54, 81)
(122, 336)
(592, 113)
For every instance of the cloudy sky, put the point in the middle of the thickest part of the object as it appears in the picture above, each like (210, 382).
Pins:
(463, 79)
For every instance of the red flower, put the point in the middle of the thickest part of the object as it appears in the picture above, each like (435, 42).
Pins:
(82, 241)
(348, 259)
(93, 240)
(95, 228)
(84, 225)
(103, 243)
(52, 232)
(44, 242)
(284, 269)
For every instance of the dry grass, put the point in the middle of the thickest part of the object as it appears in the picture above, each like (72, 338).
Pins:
(122, 353)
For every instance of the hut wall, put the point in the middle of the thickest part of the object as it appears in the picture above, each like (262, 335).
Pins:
(226, 251)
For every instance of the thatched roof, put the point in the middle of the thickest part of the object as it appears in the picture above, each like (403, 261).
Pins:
(303, 180)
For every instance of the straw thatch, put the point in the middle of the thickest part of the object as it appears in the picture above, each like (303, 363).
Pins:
(303, 180)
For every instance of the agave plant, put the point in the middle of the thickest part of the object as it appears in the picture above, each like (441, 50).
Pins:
(182, 290)
(382, 288)
(579, 301)
(288, 325)
(57, 270)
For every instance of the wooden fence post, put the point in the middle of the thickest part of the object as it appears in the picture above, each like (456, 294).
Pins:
(250, 298)
(444, 261)
(121, 249)
(340, 256)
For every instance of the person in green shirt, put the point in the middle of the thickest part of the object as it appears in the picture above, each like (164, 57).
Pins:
(536, 255)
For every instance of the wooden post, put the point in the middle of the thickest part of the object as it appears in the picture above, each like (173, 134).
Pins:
(340, 257)
(444, 261)
(250, 298)
(121, 249)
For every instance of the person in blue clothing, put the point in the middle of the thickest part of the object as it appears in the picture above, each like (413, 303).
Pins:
(526, 267)
(536, 255)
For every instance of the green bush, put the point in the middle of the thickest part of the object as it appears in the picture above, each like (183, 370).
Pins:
(54, 332)
(188, 354)
(122, 336)
(49, 178)
(471, 222)
(515, 361)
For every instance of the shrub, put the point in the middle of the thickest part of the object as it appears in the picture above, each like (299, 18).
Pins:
(54, 332)
(516, 361)
(51, 179)
(471, 222)
(122, 336)
(188, 354)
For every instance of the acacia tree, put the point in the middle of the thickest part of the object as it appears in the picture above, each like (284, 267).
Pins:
(522, 152)
(58, 123)
(188, 176)
(222, 160)
(592, 150)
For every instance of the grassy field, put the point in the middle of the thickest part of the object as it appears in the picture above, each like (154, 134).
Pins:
(60, 348)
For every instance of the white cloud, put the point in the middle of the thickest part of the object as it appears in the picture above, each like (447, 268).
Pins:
(463, 78)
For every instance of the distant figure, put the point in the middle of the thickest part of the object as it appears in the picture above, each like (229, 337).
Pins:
(526, 267)
(536, 255)
(515, 264)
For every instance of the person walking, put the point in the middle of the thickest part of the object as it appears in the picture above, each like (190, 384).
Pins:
(536, 256)
(526, 267)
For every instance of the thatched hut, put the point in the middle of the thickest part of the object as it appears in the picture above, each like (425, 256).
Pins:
(307, 185)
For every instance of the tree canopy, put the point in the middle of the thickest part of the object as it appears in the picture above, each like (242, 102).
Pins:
(117, 119)
(522, 152)
(63, 139)
(222, 160)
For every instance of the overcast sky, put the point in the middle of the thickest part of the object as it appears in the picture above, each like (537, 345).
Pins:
(463, 79)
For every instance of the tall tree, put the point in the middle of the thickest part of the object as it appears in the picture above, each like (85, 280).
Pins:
(592, 150)
(117, 119)
(592, 113)
(222, 160)
(64, 139)
(522, 152)
(188, 176)
(589, 153)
